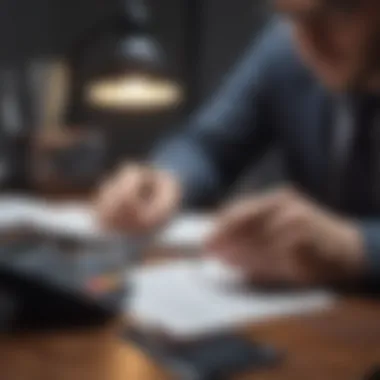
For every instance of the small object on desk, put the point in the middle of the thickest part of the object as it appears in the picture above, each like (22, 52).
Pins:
(70, 159)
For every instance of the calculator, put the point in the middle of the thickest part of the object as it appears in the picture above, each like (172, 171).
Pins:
(50, 282)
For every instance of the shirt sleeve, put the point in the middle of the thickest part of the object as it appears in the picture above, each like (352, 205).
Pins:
(229, 132)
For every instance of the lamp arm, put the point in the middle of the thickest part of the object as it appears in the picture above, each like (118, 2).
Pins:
(138, 12)
(132, 15)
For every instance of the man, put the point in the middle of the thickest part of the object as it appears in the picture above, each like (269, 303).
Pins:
(310, 85)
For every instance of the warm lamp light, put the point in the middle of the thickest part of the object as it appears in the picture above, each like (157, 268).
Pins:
(134, 93)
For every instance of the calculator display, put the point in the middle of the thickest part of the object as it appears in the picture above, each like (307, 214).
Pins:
(95, 268)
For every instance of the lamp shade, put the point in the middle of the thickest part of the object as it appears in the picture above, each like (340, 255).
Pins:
(125, 68)
(135, 78)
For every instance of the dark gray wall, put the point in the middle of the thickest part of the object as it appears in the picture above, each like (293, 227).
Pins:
(227, 28)
(29, 28)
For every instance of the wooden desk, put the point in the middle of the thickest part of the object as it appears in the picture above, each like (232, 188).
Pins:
(341, 344)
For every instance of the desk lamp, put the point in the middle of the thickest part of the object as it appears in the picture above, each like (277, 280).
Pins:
(120, 66)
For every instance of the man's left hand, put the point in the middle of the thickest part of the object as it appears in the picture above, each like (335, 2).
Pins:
(285, 238)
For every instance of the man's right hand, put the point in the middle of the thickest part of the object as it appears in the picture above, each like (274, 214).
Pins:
(138, 199)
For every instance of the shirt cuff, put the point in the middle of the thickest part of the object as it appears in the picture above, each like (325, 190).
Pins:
(371, 234)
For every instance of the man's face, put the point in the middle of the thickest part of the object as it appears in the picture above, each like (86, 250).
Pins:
(337, 39)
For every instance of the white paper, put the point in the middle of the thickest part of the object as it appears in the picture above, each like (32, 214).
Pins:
(70, 218)
(56, 217)
(179, 299)
(79, 219)
(187, 230)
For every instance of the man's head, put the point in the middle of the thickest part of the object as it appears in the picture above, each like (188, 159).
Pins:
(338, 39)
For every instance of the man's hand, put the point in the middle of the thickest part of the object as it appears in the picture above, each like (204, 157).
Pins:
(138, 199)
(284, 238)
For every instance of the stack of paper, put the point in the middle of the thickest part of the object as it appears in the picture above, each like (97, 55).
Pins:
(63, 217)
(79, 219)
(179, 299)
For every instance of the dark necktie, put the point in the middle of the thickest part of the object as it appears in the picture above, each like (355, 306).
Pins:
(358, 177)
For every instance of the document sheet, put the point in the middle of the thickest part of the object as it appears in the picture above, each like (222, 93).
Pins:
(183, 300)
